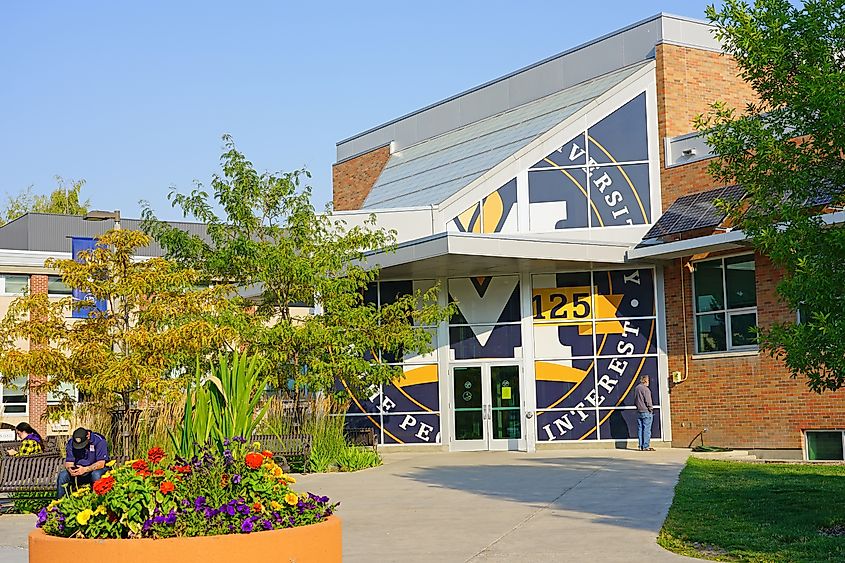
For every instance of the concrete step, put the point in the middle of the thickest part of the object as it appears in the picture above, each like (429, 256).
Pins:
(734, 455)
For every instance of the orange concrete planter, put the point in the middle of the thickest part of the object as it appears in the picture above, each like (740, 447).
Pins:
(317, 543)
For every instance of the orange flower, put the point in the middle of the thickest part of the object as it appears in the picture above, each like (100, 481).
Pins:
(224, 480)
(257, 507)
(267, 453)
(140, 465)
(254, 460)
(143, 473)
(166, 487)
(182, 468)
(155, 455)
(104, 485)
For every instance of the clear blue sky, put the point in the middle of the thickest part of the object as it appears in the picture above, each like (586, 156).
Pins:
(133, 97)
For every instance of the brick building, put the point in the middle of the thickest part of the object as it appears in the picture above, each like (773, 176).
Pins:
(567, 210)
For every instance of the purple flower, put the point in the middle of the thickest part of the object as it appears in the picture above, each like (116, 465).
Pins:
(236, 478)
(243, 509)
(246, 526)
(42, 517)
(267, 524)
(226, 442)
(199, 503)
(170, 519)
(210, 512)
(228, 509)
(239, 439)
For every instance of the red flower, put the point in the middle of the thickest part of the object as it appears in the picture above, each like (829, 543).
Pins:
(267, 453)
(158, 472)
(254, 460)
(166, 487)
(182, 468)
(140, 465)
(256, 507)
(155, 455)
(143, 473)
(104, 485)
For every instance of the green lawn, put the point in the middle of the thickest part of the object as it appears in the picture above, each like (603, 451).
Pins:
(731, 511)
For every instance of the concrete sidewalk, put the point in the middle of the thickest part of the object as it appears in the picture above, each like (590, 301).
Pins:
(583, 505)
(580, 505)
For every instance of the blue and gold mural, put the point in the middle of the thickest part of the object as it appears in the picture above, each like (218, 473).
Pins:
(594, 335)
(496, 213)
(600, 178)
(408, 410)
(487, 321)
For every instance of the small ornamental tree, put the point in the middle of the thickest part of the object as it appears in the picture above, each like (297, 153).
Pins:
(270, 242)
(64, 200)
(786, 150)
(156, 322)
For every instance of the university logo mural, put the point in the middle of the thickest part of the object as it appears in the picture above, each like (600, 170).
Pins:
(406, 411)
(487, 322)
(599, 178)
(594, 335)
(496, 213)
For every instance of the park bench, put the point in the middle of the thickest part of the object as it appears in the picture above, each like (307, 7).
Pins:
(30, 474)
(361, 437)
(286, 448)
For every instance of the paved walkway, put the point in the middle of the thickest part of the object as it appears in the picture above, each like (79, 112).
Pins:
(585, 505)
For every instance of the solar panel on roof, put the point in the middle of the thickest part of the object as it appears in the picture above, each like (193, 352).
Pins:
(694, 211)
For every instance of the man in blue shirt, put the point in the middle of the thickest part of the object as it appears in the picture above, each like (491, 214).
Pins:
(85, 462)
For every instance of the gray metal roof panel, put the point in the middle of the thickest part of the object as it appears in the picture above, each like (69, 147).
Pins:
(431, 171)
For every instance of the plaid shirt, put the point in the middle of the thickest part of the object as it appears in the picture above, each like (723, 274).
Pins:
(29, 447)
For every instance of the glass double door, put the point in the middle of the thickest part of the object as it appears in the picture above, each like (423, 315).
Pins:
(487, 407)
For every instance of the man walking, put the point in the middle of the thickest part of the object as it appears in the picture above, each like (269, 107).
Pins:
(645, 413)
(87, 454)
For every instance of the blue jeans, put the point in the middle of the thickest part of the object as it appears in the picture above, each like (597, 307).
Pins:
(644, 429)
(67, 480)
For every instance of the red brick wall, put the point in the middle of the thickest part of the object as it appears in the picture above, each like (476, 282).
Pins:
(37, 401)
(353, 179)
(688, 81)
(743, 401)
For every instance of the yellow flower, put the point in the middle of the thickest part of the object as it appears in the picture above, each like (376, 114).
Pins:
(111, 463)
(256, 446)
(53, 503)
(277, 471)
(291, 499)
(275, 505)
(100, 510)
(290, 479)
(83, 516)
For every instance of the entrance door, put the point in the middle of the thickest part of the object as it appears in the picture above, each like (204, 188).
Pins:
(488, 407)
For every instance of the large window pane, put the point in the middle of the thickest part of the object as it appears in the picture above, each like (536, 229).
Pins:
(709, 291)
(741, 282)
(741, 325)
(14, 397)
(16, 283)
(711, 333)
(824, 446)
(55, 286)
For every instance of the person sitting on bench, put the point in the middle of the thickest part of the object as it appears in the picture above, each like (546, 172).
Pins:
(31, 442)
(85, 463)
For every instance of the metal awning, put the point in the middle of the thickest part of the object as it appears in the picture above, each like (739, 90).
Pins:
(455, 254)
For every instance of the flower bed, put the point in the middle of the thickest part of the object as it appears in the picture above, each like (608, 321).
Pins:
(212, 494)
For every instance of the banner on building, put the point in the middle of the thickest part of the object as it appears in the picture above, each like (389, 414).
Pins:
(78, 245)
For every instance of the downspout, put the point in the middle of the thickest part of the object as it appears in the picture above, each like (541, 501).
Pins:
(684, 321)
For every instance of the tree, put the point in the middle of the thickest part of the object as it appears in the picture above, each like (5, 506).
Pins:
(270, 241)
(156, 322)
(65, 200)
(786, 150)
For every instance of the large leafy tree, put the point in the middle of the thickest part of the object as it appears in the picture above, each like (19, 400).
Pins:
(65, 199)
(786, 149)
(268, 239)
(156, 323)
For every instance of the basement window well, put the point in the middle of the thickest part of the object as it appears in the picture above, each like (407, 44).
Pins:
(824, 445)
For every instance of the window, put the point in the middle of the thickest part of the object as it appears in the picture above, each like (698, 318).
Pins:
(725, 304)
(55, 286)
(824, 445)
(65, 392)
(13, 284)
(14, 397)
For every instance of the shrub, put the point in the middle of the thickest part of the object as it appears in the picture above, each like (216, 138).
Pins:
(211, 494)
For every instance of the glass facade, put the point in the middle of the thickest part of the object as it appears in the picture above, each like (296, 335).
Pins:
(725, 304)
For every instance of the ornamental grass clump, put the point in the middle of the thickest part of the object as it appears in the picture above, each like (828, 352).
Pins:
(240, 491)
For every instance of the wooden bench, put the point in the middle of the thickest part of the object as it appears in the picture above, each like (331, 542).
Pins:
(286, 448)
(361, 437)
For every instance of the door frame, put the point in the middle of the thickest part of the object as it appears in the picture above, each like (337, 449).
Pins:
(487, 443)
